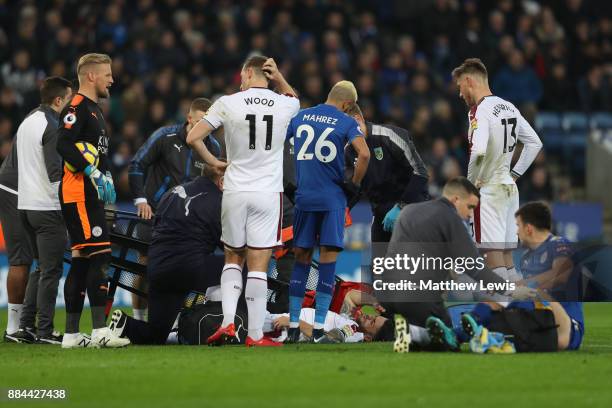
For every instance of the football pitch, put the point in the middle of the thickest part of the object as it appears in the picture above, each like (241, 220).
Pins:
(359, 375)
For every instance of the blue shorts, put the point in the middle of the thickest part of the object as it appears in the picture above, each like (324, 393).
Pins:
(576, 335)
(325, 228)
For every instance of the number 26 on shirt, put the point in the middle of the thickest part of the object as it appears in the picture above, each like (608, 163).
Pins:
(321, 143)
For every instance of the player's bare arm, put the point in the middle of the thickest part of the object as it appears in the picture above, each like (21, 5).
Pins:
(195, 139)
(558, 275)
(363, 158)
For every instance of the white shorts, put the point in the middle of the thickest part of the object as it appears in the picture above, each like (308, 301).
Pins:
(494, 225)
(252, 219)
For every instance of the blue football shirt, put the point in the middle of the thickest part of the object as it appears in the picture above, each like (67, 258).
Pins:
(319, 136)
(539, 260)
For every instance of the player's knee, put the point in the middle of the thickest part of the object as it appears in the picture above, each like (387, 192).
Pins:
(563, 339)
(303, 255)
(235, 256)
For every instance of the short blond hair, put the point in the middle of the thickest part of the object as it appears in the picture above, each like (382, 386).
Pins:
(471, 66)
(343, 91)
(92, 59)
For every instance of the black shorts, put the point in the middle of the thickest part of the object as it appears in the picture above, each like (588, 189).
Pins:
(86, 225)
(18, 245)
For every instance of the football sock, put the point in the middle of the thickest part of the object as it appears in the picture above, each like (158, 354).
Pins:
(418, 334)
(213, 293)
(14, 315)
(231, 289)
(74, 292)
(462, 336)
(482, 313)
(97, 288)
(297, 287)
(325, 289)
(501, 271)
(256, 293)
(513, 275)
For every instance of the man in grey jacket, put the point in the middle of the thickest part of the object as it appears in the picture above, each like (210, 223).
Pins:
(40, 171)
(435, 229)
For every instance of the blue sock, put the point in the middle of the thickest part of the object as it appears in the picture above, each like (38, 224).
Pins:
(297, 287)
(461, 336)
(482, 313)
(325, 290)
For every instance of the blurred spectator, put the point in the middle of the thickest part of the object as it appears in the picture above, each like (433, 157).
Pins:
(442, 125)
(518, 83)
(20, 75)
(539, 186)
(594, 91)
(558, 91)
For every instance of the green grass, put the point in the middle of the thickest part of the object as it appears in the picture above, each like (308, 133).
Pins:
(362, 375)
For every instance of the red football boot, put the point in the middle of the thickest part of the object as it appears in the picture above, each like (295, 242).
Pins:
(222, 334)
(263, 342)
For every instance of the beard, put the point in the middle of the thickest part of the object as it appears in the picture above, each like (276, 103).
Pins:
(103, 93)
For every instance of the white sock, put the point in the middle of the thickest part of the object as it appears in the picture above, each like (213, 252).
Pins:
(256, 294)
(140, 314)
(418, 334)
(213, 293)
(14, 316)
(231, 289)
(501, 271)
(318, 326)
(513, 274)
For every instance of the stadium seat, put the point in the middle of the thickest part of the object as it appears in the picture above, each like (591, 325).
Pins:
(548, 121)
(553, 140)
(575, 121)
(601, 120)
(574, 151)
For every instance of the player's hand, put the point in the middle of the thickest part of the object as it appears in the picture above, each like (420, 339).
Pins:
(144, 211)
(281, 323)
(379, 308)
(270, 70)
(524, 293)
(219, 167)
(98, 180)
(390, 218)
(111, 195)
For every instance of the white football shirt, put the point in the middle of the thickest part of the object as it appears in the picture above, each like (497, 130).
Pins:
(255, 123)
(495, 125)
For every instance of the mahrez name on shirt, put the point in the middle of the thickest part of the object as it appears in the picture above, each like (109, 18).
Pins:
(321, 119)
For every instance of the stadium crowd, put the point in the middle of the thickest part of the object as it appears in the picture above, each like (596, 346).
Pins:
(541, 55)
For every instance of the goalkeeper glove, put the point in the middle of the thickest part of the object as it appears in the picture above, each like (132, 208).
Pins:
(111, 195)
(390, 218)
(98, 180)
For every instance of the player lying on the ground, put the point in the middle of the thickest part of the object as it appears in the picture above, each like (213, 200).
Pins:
(339, 328)
(547, 265)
